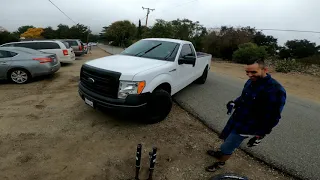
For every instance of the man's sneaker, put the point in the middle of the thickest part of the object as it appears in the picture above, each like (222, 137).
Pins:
(216, 154)
(216, 166)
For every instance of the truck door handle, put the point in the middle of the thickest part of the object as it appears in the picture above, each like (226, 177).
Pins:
(173, 70)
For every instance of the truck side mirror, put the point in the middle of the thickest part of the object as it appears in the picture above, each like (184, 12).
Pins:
(187, 60)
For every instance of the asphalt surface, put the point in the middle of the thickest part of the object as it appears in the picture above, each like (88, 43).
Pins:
(111, 49)
(293, 146)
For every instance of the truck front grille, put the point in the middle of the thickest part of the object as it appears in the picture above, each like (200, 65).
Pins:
(100, 81)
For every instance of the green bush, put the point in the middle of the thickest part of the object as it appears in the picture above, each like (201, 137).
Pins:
(248, 53)
(315, 59)
(6, 37)
(287, 65)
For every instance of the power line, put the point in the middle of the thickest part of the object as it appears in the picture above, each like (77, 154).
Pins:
(285, 30)
(291, 30)
(62, 12)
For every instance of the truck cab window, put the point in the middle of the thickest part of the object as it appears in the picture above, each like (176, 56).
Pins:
(186, 51)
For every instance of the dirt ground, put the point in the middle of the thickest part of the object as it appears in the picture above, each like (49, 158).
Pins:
(301, 85)
(47, 132)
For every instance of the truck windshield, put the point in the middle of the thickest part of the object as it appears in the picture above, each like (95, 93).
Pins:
(160, 50)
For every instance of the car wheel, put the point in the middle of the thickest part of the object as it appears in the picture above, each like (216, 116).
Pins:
(19, 76)
(202, 79)
(228, 176)
(159, 106)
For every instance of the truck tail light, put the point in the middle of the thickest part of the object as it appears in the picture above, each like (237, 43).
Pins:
(80, 48)
(43, 60)
(65, 52)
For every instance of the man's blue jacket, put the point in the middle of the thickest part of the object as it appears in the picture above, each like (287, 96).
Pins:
(258, 109)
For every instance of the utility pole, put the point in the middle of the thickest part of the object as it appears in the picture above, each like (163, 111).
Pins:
(148, 12)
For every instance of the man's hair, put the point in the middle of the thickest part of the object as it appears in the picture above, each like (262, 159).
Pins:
(260, 62)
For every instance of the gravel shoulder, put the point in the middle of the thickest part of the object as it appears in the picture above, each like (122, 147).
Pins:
(47, 132)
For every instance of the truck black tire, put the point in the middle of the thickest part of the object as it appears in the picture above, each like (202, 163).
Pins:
(159, 106)
(202, 79)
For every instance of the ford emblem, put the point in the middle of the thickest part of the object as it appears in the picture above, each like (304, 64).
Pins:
(91, 80)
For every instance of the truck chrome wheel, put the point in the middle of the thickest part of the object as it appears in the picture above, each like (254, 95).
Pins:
(159, 106)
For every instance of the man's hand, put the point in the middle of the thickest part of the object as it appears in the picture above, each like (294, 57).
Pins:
(255, 141)
(230, 103)
(230, 106)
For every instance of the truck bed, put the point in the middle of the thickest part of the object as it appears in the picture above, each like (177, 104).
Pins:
(202, 54)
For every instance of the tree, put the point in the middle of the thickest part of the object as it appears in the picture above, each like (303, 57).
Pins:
(32, 33)
(161, 29)
(6, 37)
(63, 31)
(184, 29)
(269, 42)
(284, 52)
(121, 33)
(248, 53)
(49, 33)
(223, 42)
(139, 30)
(94, 38)
(79, 31)
(301, 48)
(21, 30)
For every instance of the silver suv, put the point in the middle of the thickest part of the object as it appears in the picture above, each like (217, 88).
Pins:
(76, 45)
(64, 53)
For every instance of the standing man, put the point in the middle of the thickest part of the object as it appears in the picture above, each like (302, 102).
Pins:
(256, 112)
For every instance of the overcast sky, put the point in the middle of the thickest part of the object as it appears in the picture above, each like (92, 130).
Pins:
(262, 14)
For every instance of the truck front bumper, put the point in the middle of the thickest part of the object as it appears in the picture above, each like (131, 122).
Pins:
(132, 104)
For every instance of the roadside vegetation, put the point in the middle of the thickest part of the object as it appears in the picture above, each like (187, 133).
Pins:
(62, 31)
(233, 44)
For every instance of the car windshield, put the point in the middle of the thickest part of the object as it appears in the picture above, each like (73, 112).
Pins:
(154, 49)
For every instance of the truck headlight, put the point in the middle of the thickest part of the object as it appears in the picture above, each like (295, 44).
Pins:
(130, 87)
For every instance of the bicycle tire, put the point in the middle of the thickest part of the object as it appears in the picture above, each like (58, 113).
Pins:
(228, 176)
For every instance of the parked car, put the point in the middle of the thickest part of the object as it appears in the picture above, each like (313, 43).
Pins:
(20, 65)
(143, 77)
(93, 44)
(76, 45)
(64, 53)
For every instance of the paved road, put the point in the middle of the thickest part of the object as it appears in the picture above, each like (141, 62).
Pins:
(111, 49)
(293, 146)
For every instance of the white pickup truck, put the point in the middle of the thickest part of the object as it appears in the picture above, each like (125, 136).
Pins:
(142, 78)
